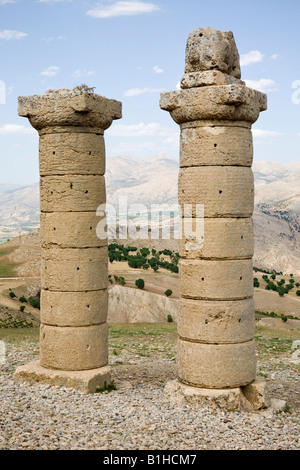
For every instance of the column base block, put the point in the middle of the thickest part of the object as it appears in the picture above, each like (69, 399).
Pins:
(86, 381)
(252, 397)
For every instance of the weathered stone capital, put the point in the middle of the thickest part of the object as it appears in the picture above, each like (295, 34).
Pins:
(225, 102)
(210, 49)
(69, 108)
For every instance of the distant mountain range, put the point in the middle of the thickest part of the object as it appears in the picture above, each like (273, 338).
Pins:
(153, 180)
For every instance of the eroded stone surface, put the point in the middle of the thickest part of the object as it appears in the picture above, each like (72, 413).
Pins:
(69, 108)
(230, 399)
(74, 299)
(227, 102)
(70, 230)
(223, 238)
(216, 321)
(257, 394)
(74, 348)
(224, 191)
(86, 381)
(216, 280)
(216, 145)
(72, 193)
(216, 365)
(71, 153)
(74, 308)
(215, 111)
(210, 49)
(69, 270)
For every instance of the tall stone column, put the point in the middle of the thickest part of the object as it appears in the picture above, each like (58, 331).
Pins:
(215, 111)
(74, 271)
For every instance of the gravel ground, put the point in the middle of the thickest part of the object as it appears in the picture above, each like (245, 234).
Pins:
(136, 416)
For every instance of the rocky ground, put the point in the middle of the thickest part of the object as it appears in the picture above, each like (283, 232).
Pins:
(137, 415)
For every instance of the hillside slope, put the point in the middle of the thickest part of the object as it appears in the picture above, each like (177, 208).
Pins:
(153, 180)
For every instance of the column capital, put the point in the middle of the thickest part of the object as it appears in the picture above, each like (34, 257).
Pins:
(211, 87)
(69, 108)
(224, 102)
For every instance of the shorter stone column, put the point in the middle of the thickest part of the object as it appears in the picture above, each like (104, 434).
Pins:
(74, 273)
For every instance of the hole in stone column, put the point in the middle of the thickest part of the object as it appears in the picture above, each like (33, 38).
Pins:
(220, 191)
(77, 269)
(242, 237)
(201, 34)
(241, 278)
(90, 153)
(71, 185)
(240, 320)
(86, 192)
(202, 278)
(91, 228)
(206, 322)
(51, 192)
(88, 306)
(53, 153)
(215, 145)
(44, 335)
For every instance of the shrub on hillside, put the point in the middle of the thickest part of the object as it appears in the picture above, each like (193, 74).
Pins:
(140, 284)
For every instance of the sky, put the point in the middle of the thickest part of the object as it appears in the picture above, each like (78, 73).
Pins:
(132, 51)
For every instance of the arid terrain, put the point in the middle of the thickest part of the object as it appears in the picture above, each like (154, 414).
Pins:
(153, 180)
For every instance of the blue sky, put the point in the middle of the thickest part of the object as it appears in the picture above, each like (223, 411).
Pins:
(132, 51)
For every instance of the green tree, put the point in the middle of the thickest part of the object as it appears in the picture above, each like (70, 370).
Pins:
(281, 291)
(168, 292)
(140, 284)
(144, 252)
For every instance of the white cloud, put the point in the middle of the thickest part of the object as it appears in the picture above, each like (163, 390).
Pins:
(143, 137)
(266, 85)
(83, 73)
(51, 38)
(122, 8)
(140, 91)
(50, 71)
(251, 58)
(265, 134)
(142, 129)
(274, 56)
(157, 69)
(5, 2)
(15, 129)
(9, 34)
(53, 1)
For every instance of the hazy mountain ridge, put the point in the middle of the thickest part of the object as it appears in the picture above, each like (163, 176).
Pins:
(153, 180)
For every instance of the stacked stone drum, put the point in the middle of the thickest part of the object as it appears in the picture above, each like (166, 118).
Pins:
(74, 331)
(215, 111)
